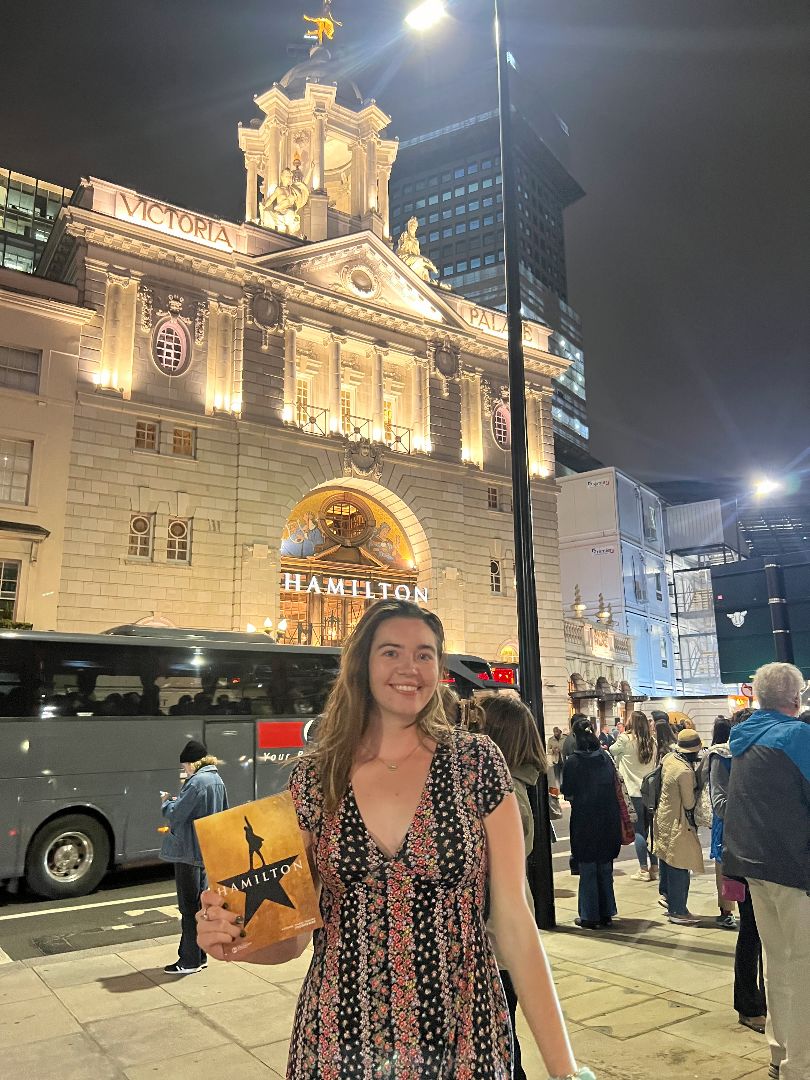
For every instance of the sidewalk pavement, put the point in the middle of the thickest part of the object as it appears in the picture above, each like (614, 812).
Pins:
(644, 1000)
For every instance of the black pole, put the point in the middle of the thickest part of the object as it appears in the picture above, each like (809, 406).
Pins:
(541, 876)
(777, 605)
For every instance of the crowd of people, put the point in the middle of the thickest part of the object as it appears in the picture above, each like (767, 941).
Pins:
(417, 816)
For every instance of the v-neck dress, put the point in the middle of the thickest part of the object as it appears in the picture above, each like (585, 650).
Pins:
(403, 984)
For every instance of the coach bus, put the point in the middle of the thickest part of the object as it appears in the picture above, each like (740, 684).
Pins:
(91, 727)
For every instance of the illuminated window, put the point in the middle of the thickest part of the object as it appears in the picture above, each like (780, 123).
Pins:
(141, 534)
(183, 442)
(345, 520)
(302, 403)
(492, 498)
(171, 348)
(346, 410)
(16, 460)
(495, 579)
(9, 583)
(502, 427)
(178, 542)
(146, 435)
(388, 419)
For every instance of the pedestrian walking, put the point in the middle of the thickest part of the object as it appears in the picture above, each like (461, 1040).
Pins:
(715, 767)
(407, 821)
(675, 836)
(203, 793)
(767, 842)
(512, 728)
(635, 755)
(554, 754)
(749, 977)
(595, 831)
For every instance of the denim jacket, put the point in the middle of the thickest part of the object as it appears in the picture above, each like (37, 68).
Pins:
(202, 794)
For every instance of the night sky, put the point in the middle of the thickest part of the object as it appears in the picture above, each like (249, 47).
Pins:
(690, 132)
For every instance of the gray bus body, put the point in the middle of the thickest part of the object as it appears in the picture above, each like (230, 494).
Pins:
(91, 727)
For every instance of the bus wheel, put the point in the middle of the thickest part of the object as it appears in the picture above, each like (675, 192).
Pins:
(67, 857)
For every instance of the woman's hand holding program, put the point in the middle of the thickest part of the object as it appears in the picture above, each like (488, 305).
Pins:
(217, 926)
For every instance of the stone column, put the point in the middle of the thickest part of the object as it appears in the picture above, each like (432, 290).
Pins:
(290, 371)
(319, 150)
(428, 442)
(372, 143)
(118, 339)
(271, 168)
(377, 387)
(335, 343)
(383, 180)
(476, 423)
(535, 448)
(421, 404)
(358, 179)
(252, 189)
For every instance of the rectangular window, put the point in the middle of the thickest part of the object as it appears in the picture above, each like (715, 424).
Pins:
(489, 259)
(346, 410)
(461, 209)
(472, 205)
(433, 181)
(472, 188)
(472, 168)
(489, 219)
(662, 641)
(432, 200)
(495, 580)
(433, 218)
(446, 177)
(19, 368)
(446, 233)
(447, 215)
(302, 403)
(447, 270)
(9, 584)
(433, 236)
(475, 263)
(487, 183)
(459, 191)
(492, 498)
(16, 460)
(178, 540)
(447, 196)
(461, 228)
(388, 419)
(475, 223)
(146, 435)
(141, 535)
(659, 589)
(420, 204)
(461, 266)
(183, 442)
(488, 201)
(408, 208)
(458, 173)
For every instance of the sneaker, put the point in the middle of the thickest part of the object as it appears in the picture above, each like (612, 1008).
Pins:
(584, 924)
(653, 873)
(641, 874)
(773, 1072)
(756, 1023)
(727, 921)
(662, 902)
(178, 969)
(685, 920)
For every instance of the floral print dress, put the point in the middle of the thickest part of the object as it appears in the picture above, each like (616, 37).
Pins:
(403, 984)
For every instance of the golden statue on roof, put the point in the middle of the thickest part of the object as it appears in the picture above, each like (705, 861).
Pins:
(323, 25)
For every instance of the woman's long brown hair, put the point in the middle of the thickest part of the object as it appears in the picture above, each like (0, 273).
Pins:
(639, 725)
(512, 728)
(347, 711)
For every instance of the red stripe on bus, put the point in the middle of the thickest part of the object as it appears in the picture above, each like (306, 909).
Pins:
(281, 736)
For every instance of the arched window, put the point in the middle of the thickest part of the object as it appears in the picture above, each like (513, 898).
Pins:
(502, 426)
(170, 349)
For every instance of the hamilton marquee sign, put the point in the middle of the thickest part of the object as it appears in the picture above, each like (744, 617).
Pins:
(359, 588)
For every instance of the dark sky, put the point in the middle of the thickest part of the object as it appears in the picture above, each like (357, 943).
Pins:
(690, 132)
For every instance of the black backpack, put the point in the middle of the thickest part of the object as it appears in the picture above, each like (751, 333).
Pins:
(651, 789)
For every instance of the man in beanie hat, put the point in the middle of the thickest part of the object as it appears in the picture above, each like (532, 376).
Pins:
(675, 836)
(202, 794)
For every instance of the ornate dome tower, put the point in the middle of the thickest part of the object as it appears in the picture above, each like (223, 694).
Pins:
(316, 164)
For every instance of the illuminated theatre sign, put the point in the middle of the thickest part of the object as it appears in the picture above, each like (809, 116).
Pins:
(172, 220)
(496, 324)
(359, 588)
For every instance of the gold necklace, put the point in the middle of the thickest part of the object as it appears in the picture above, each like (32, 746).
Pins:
(394, 765)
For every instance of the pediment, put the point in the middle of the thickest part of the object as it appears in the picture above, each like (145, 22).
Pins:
(365, 269)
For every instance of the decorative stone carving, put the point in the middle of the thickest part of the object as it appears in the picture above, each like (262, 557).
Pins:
(360, 279)
(199, 321)
(363, 459)
(492, 398)
(146, 298)
(409, 250)
(280, 208)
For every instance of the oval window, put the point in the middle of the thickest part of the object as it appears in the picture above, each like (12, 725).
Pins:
(170, 350)
(502, 427)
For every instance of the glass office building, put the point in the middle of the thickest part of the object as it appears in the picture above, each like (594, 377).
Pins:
(449, 179)
(28, 209)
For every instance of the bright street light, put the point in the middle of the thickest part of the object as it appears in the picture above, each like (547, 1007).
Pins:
(426, 15)
(766, 486)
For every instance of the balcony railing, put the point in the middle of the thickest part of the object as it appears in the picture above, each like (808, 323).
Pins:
(309, 419)
(314, 421)
(398, 439)
(598, 641)
(356, 428)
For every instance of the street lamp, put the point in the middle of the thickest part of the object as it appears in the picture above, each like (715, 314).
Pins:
(766, 486)
(541, 875)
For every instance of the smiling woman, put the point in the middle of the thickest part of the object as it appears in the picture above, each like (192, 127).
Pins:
(409, 823)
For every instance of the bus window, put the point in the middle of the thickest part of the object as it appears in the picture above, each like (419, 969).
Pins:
(201, 682)
(290, 684)
(16, 692)
(99, 680)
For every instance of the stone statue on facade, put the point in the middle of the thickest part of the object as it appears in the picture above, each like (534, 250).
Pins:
(323, 25)
(280, 208)
(409, 251)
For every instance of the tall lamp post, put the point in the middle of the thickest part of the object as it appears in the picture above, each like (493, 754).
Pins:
(541, 876)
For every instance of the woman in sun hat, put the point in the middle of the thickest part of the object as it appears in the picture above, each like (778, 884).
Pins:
(675, 839)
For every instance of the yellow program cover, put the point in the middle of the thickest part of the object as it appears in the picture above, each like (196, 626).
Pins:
(254, 856)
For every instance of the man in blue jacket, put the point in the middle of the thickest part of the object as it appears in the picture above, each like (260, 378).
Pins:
(767, 842)
(202, 794)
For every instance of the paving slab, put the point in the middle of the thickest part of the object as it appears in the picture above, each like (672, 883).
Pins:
(154, 1036)
(668, 972)
(84, 969)
(218, 1061)
(721, 1031)
(68, 1057)
(598, 1002)
(662, 1057)
(20, 984)
(581, 945)
(219, 982)
(255, 1020)
(118, 995)
(652, 1016)
(274, 1054)
(34, 1020)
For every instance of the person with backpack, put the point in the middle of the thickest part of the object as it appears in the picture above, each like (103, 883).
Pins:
(713, 775)
(634, 754)
(675, 837)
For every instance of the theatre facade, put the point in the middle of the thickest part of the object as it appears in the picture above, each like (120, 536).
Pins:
(273, 423)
